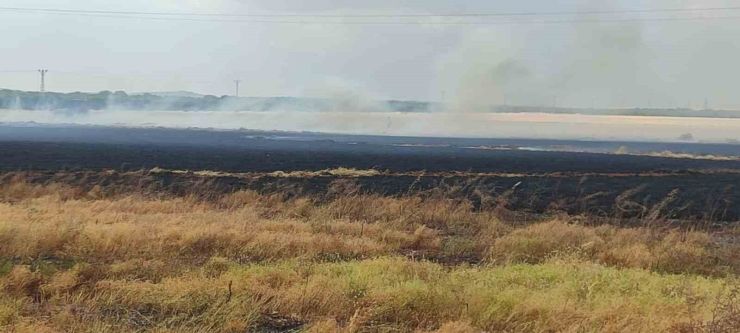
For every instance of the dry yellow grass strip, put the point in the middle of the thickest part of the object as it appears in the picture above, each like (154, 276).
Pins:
(386, 294)
(73, 261)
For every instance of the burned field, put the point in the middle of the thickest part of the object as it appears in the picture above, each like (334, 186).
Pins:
(530, 182)
(692, 196)
(282, 235)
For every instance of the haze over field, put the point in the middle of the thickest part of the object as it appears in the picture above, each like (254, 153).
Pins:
(648, 59)
(482, 125)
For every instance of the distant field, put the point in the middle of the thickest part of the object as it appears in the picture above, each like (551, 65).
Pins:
(445, 124)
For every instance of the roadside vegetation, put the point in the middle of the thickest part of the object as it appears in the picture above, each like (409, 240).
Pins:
(74, 260)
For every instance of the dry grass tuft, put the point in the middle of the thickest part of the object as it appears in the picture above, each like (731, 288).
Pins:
(667, 251)
(338, 172)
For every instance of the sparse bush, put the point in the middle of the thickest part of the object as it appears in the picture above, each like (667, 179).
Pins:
(686, 137)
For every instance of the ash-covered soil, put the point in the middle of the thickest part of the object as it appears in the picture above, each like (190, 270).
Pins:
(521, 179)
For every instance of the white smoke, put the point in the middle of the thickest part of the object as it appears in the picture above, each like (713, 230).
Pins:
(631, 64)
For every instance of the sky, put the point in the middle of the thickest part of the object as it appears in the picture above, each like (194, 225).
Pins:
(586, 64)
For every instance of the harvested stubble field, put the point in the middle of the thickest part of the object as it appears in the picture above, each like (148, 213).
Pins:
(104, 257)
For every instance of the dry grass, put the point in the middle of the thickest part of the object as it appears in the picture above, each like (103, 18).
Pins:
(384, 294)
(670, 154)
(76, 261)
(338, 172)
(667, 251)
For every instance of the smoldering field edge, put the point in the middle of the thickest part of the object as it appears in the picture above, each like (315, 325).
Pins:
(477, 125)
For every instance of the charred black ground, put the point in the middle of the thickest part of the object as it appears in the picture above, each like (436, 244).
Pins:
(532, 181)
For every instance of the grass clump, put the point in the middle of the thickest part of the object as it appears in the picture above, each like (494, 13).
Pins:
(667, 251)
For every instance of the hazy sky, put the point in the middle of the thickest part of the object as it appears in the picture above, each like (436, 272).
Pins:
(659, 64)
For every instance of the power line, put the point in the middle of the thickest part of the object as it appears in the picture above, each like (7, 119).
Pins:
(87, 74)
(101, 75)
(554, 13)
(19, 71)
(309, 22)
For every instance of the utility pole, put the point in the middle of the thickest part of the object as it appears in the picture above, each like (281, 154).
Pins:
(43, 79)
(706, 104)
(237, 86)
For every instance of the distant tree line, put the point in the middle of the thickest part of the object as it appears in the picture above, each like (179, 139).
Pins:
(82, 102)
(119, 100)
